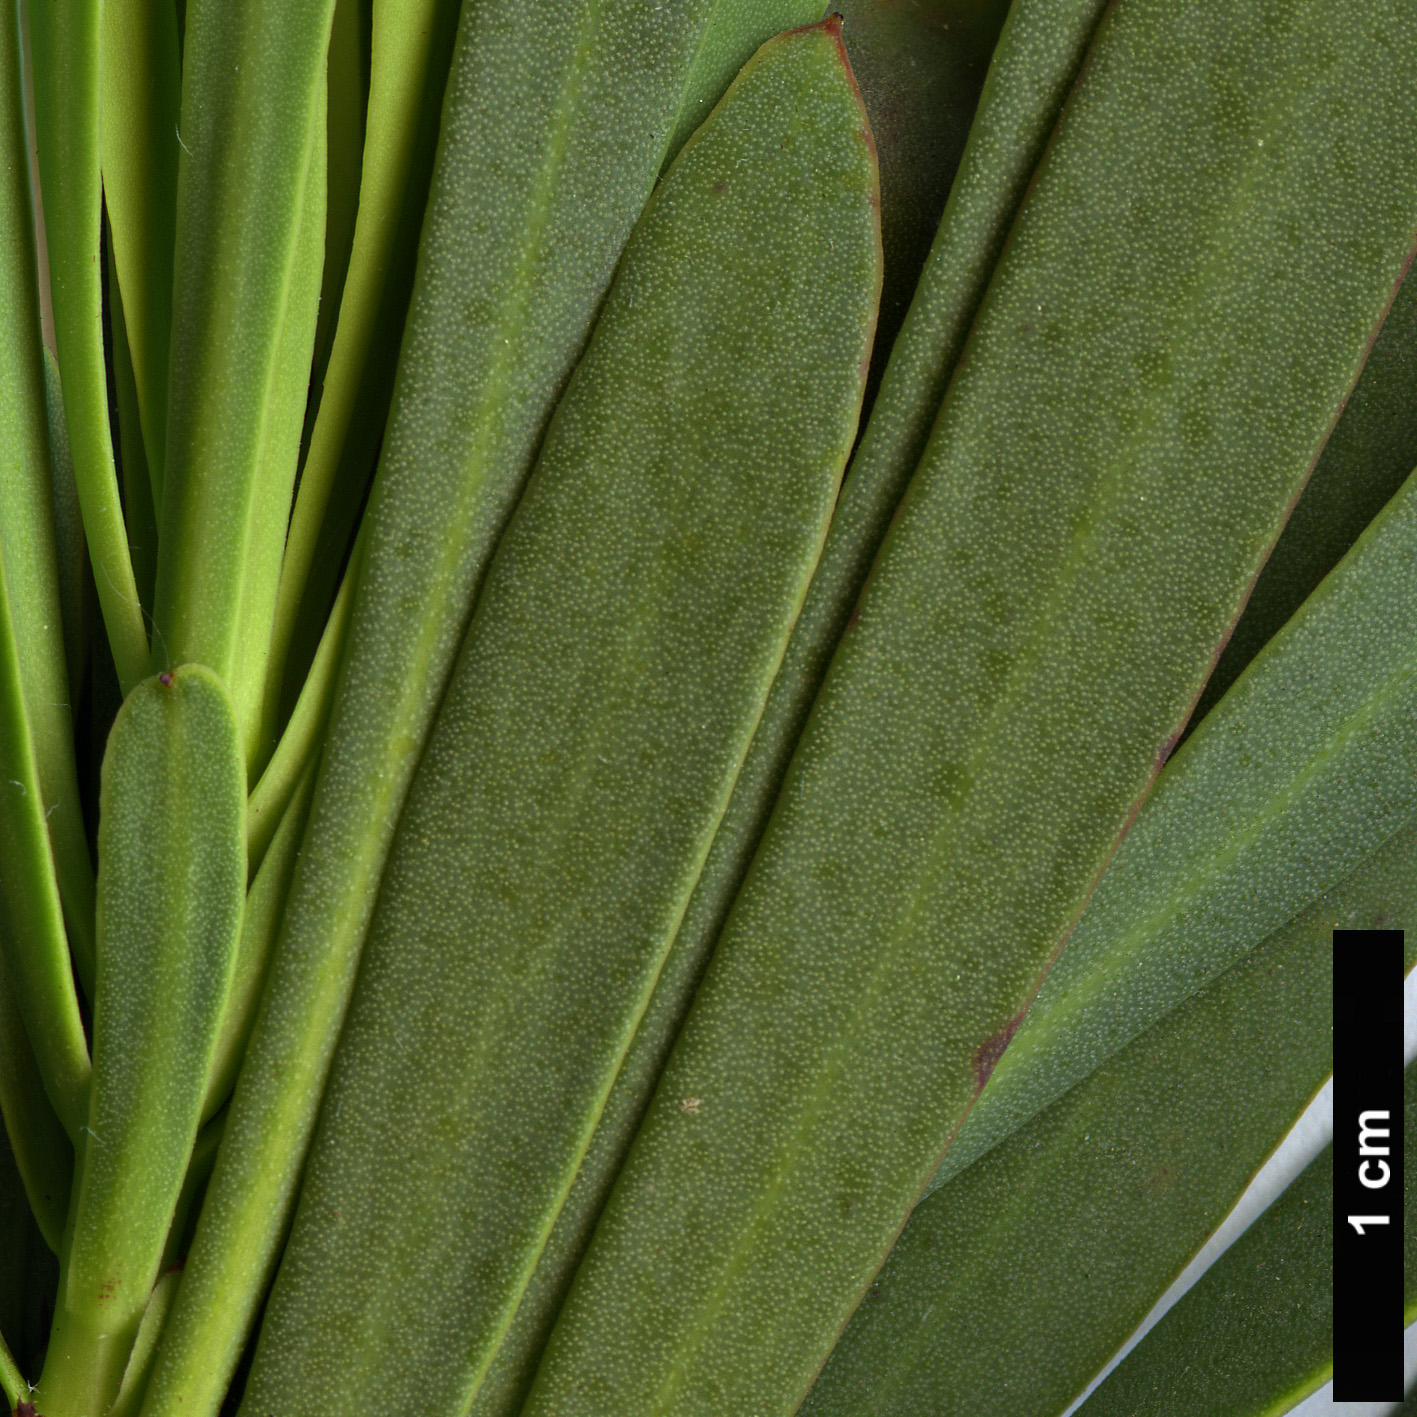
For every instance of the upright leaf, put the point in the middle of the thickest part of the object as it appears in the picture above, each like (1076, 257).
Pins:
(1037, 55)
(411, 44)
(170, 888)
(252, 125)
(140, 94)
(27, 522)
(65, 38)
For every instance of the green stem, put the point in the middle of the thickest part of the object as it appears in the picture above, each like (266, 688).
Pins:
(84, 1363)
(260, 924)
(11, 1379)
(145, 1345)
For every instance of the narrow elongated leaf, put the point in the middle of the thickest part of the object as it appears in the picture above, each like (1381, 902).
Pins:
(519, 245)
(31, 918)
(68, 529)
(280, 442)
(139, 514)
(1165, 345)
(1262, 1314)
(411, 42)
(64, 37)
(140, 95)
(1308, 764)
(253, 105)
(1038, 53)
(170, 888)
(616, 664)
(1254, 1335)
(27, 533)
(1027, 1270)
(1369, 456)
(346, 95)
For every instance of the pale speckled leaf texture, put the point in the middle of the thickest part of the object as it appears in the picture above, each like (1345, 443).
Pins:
(1129, 426)
(1262, 1314)
(614, 669)
(1016, 1282)
(170, 894)
(742, 808)
(1298, 774)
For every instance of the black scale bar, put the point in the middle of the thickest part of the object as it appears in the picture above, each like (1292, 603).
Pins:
(1367, 1165)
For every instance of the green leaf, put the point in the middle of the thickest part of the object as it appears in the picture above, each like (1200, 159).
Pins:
(617, 661)
(554, 126)
(170, 889)
(64, 36)
(31, 564)
(1371, 452)
(1018, 1279)
(1261, 1316)
(139, 514)
(1163, 348)
(70, 559)
(346, 98)
(249, 227)
(31, 917)
(140, 94)
(279, 450)
(412, 41)
(1303, 769)
(1033, 65)
(734, 32)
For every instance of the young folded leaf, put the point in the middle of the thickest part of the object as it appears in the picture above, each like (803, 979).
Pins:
(1185, 301)
(170, 889)
(614, 670)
